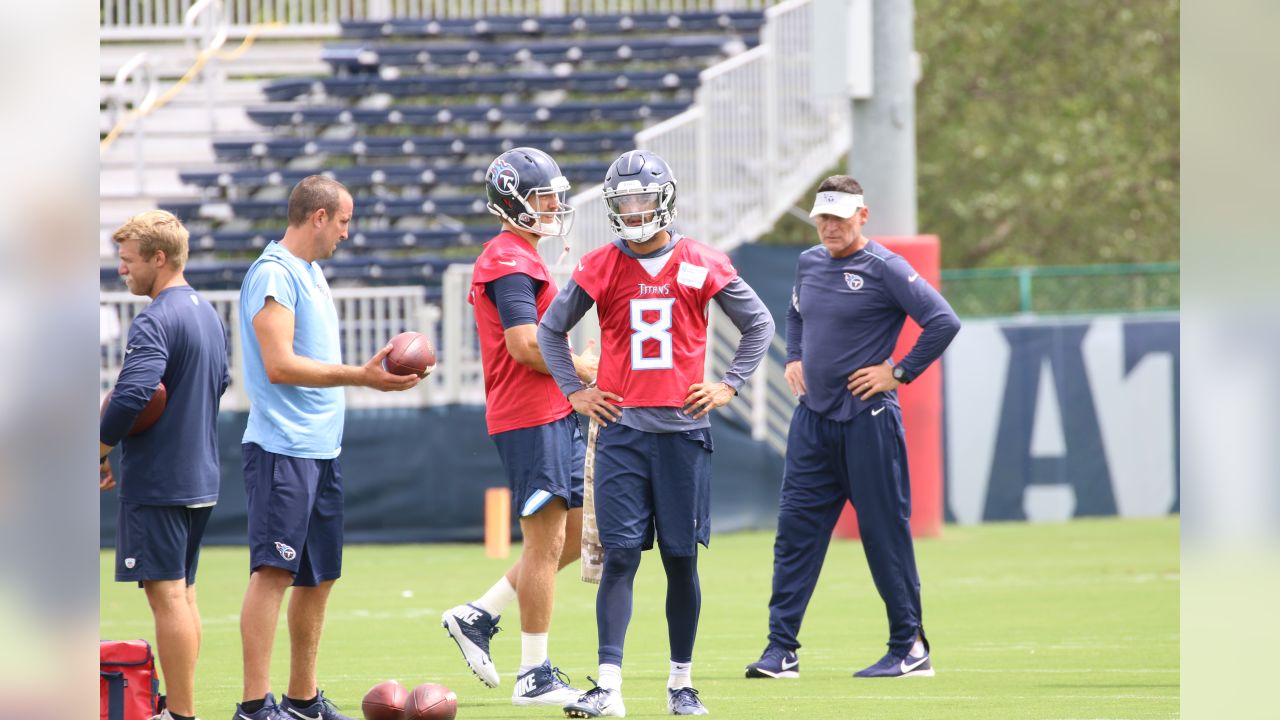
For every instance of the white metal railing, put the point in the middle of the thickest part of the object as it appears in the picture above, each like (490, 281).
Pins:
(135, 84)
(163, 19)
(764, 404)
(368, 318)
(462, 376)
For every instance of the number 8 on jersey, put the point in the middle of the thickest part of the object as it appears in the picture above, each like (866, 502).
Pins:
(651, 341)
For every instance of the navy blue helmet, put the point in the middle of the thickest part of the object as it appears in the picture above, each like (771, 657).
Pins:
(639, 195)
(518, 182)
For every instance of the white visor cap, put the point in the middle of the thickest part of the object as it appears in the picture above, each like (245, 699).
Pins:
(840, 204)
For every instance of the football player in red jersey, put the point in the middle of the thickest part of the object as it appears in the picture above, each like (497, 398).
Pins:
(530, 421)
(651, 287)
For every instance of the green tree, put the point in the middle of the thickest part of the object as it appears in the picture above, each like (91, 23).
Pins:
(1047, 131)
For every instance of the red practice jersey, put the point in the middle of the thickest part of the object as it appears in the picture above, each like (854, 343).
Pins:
(653, 329)
(515, 396)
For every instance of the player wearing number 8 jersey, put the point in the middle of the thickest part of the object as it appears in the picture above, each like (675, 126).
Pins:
(652, 288)
(654, 327)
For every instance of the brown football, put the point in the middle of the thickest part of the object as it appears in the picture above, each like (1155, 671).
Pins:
(384, 701)
(429, 701)
(149, 415)
(411, 354)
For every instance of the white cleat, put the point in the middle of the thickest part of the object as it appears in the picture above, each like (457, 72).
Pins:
(544, 685)
(597, 702)
(471, 628)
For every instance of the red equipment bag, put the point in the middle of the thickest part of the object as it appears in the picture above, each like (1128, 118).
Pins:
(128, 682)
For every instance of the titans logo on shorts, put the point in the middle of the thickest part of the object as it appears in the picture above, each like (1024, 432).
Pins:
(159, 542)
(653, 482)
(295, 514)
(542, 462)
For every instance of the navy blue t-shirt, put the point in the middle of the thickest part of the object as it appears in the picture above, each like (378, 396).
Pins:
(846, 314)
(180, 340)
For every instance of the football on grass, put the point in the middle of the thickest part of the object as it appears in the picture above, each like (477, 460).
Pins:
(384, 701)
(411, 354)
(429, 701)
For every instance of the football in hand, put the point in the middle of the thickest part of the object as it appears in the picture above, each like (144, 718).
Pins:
(411, 354)
(429, 701)
(384, 701)
(150, 414)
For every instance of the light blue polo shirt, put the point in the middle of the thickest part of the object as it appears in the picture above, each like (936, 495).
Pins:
(287, 419)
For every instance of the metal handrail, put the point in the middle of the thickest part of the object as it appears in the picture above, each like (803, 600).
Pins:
(140, 62)
(214, 33)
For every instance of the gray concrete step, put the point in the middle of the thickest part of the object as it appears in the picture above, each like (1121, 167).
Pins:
(189, 120)
(265, 58)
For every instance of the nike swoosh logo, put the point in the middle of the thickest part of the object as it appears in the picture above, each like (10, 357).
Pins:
(877, 411)
(512, 263)
(905, 668)
(581, 268)
(304, 716)
(913, 278)
(128, 350)
(788, 665)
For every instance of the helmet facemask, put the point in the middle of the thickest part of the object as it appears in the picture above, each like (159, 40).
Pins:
(637, 213)
(547, 223)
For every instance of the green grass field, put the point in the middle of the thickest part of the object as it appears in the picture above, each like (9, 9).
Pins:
(1073, 620)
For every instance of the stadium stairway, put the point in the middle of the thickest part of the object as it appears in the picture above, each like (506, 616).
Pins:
(135, 174)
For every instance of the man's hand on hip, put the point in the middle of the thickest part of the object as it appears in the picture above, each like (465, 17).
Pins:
(866, 382)
(794, 375)
(594, 403)
(704, 397)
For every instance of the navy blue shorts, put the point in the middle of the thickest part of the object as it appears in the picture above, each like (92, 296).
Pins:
(647, 482)
(159, 542)
(295, 514)
(542, 462)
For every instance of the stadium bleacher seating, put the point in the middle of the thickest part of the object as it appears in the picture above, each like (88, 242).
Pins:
(364, 176)
(422, 146)
(364, 270)
(413, 111)
(748, 21)
(312, 117)
(598, 82)
(370, 57)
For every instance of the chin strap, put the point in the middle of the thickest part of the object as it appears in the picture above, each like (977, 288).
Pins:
(563, 254)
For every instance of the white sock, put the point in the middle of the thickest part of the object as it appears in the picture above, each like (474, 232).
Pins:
(917, 650)
(610, 677)
(681, 675)
(533, 650)
(497, 598)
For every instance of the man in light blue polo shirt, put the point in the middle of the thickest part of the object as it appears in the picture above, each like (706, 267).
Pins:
(293, 484)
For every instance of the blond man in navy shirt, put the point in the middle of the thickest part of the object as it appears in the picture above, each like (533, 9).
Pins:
(846, 441)
(168, 473)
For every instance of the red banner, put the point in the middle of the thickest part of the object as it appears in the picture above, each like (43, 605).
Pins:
(921, 406)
